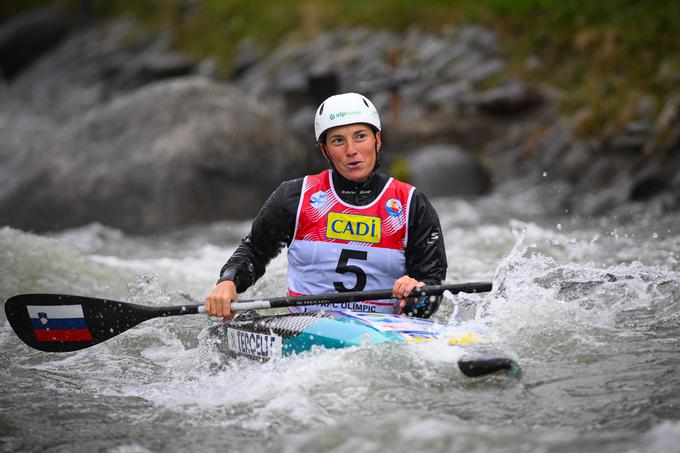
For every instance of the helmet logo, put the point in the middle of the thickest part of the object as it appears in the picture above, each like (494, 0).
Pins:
(339, 115)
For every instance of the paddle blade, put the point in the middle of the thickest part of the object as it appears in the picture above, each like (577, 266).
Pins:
(63, 323)
(481, 366)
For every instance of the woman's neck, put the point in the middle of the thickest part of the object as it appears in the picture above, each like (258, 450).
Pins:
(358, 193)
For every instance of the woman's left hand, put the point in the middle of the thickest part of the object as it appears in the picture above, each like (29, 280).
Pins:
(402, 289)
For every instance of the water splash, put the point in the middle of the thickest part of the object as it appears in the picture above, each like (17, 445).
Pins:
(30, 263)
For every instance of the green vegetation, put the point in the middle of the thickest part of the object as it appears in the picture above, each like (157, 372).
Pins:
(604, 55)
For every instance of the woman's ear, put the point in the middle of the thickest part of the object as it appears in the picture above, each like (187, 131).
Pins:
(378, 141)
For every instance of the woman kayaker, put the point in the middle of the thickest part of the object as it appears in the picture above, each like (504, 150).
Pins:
(347, 228)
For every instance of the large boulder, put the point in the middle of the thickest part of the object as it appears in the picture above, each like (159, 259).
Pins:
(446, 170)
(169, 154)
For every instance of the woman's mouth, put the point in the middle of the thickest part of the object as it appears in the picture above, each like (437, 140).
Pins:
(354, 165)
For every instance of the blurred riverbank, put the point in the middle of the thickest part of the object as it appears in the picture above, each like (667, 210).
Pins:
(127, 158)
(113, 123)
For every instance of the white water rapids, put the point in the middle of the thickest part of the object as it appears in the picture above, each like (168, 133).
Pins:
(590, 308)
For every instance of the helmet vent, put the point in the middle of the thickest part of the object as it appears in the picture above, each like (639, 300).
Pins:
(321, 109)
(365, 103)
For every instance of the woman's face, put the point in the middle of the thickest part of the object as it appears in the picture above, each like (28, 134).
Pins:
(352, 149)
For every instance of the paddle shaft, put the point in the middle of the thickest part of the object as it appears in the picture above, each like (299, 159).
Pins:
(321, 299)
(356, 296)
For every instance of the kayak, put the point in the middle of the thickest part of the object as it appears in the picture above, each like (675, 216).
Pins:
(267, 337)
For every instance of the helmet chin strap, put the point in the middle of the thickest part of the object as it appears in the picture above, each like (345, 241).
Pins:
(322, 147)
(377, 159)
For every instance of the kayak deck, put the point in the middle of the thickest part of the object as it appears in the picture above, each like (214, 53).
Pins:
(263, 338)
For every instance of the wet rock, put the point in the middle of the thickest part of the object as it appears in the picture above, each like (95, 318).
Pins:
(553, 146)
(442, 170)
(665, 131)
(647, 186)
(27, 36)
(75, 76)
(448, 97)
(302, 123)
(247, 54)
(93, 66)
(634, 137)
(165, 66)
(145, 60)
(170, 154)
(487, 69)
(24, 138)
(376, 62)
(480, 38)
(514, 97)
(576, 160)
(604, 171)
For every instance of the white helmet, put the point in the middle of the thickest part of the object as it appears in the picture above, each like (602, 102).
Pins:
(344, 109)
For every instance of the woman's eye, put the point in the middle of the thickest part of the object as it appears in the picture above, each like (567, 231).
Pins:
(360, 136)
(337, 141)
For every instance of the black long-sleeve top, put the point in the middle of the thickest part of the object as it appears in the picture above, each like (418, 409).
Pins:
(274, 226)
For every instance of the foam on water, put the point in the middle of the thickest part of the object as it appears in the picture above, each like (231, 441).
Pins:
(548, 306)
(31, 263)
(663, 437)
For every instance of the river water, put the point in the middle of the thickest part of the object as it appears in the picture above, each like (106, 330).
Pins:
(589, 307)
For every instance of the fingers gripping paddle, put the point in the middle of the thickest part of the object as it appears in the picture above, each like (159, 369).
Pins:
(63, 323)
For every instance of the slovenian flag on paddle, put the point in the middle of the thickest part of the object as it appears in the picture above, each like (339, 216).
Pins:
(59, 323)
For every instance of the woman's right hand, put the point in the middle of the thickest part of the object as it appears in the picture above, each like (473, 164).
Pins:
(218, 302)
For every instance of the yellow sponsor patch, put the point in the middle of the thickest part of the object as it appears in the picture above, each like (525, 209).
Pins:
(465, 338)
(353, 227)
(418, 340)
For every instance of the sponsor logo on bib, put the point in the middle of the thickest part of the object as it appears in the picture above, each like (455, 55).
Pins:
(393, 207)
(353, 227)
(318, 199)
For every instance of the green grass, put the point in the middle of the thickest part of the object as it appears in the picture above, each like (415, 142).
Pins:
(605, 55)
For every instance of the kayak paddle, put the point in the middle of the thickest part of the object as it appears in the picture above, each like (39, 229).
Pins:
(63, 323)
